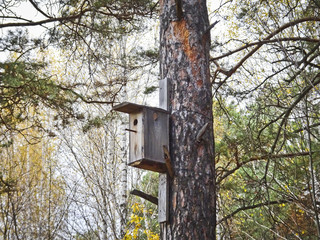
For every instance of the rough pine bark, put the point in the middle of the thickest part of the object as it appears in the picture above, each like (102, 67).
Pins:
(184, 64)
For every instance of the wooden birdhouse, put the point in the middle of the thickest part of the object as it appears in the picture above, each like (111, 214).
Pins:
(148, 130)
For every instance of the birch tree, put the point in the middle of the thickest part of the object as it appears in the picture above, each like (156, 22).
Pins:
(33, 203)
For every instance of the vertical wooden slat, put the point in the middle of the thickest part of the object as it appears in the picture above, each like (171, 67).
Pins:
(163, 94)
(163, 206)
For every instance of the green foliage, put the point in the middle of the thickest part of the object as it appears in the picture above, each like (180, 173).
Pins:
(96, 122)
(17, 40)
(25, 92)
(271, 191)
(151, 54)
(102, 19)
(149, 90)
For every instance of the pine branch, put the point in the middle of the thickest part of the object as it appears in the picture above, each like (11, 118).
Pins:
(30, 23)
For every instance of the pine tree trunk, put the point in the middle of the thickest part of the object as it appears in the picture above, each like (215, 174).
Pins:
(184, 65)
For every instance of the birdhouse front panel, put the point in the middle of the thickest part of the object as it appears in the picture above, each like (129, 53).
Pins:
(136, 150)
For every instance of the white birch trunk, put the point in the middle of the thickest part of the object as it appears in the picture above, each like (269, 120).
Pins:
(124, 147)
(105, 185)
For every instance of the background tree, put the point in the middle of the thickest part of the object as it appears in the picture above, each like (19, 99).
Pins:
(33, 201)
(266, 90)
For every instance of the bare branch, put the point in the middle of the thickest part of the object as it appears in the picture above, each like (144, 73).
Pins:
(37, 23)
(264, 157)
(268, 203)
(291, 39)
(261, 43)
(288, 112)
(145, 196)
(38, 9)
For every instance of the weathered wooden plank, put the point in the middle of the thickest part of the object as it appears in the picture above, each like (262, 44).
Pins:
(163, 204)
(127, 107)
(156, 134)
(163, 207)
(136, 139)
(163, 94)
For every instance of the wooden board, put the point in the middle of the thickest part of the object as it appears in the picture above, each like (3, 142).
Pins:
(163, 205)
(127, 107)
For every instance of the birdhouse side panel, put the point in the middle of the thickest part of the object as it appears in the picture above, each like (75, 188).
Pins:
(156, 135)
(136, 151)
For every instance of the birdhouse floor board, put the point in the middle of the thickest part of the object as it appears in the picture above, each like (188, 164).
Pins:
(149, 165)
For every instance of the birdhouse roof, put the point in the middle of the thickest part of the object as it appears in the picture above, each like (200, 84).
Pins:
(127, 107)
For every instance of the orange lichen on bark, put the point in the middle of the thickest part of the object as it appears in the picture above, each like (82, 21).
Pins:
(182, 34)
(199, 83)
(174, 201)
